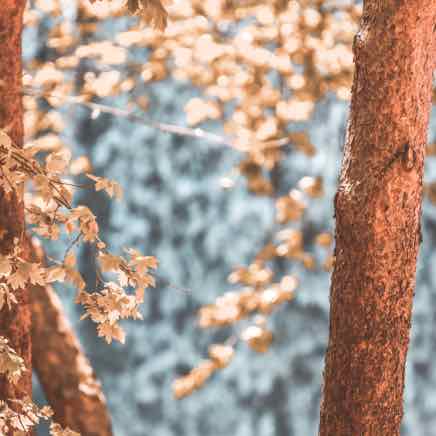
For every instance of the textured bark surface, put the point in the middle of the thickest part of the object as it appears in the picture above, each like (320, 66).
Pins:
(64, 372)
(378, 210)
(14, 323)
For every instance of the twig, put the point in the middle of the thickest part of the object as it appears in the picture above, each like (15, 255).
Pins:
(169, 284)
(174, 129)
(74, 242)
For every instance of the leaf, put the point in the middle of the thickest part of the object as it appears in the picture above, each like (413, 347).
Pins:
(36, 274)
(109, 332)
(11, 364)
(55, 274)
(109, 262)
(70, 260)
(198, 111)
(258, 338)
(5, 140)
(221, 354)
(143, 263)
(6, 296)
(57, 430)
(152, 12)
(58, 161)
(312, 186)
(111, 187)
(17, 280)
(75, 278)
(26, 272)
(5, 266)
(46, 411)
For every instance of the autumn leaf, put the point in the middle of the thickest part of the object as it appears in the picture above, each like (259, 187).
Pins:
(5, 140)
(58, 161)
(110, 332)
(26, 272)
(5, 266)
(6, 296)
(152, 12)
(109, 262)
(258, 338)
(11, 364)
(221, 354)
(57, 430)
(17, 280)
(111, 187)
(55, 274)
(35, 273)
(70, 260)
(74, 276)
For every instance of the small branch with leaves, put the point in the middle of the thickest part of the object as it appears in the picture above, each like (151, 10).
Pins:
(49, 207)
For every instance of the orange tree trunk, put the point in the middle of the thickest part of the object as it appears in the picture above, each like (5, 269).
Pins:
(66, 376)
(14, 323)
(378, 209)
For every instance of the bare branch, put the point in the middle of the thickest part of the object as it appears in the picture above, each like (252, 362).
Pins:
(173, 129)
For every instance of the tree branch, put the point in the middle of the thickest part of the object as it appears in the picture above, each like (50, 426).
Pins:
(173, 129)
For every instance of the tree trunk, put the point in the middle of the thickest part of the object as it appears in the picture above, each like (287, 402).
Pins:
(378, 210)
(14, 323)
(66, 376)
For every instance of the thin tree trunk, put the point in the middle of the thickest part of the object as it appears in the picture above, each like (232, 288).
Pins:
(64, 372)
(378, 211)
(14, 323)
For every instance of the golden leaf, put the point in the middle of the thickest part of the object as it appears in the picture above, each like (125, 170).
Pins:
(110, 186)
(109, 262)
(55, 274)
(57, 430)
(311, 186)
(58, 161)
(5, 266)
(221, 354)
(110, 332)
(258, 338)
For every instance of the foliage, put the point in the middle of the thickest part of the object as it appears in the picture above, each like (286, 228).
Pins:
(38, 172)
(57, 430)
(49, 209)
(20, 416)
(151, 11)
(11, 364)
(260, 69)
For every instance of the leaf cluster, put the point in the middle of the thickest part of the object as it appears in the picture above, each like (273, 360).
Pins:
(18, 417)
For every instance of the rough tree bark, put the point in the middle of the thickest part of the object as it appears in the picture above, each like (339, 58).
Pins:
(65, 374)
(378, 210)
(14, 323)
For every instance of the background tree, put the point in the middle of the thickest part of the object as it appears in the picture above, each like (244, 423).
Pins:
(15, 322)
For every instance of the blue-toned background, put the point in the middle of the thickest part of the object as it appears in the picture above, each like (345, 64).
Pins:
(175, 209)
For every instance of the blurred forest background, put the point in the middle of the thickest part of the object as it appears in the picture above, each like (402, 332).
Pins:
(204, 208)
